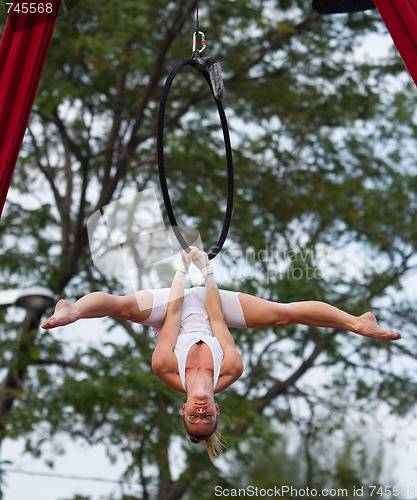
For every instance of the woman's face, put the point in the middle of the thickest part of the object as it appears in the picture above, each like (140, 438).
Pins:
(200, 414)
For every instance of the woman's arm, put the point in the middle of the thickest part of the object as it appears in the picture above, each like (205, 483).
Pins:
(213, 300)
(232, 365)
(163, 358)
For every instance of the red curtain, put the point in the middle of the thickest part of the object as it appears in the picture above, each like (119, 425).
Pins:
(400, 17)
(23, 49)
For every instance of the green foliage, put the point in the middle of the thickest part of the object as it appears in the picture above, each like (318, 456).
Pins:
(325, 209)
(342, 460)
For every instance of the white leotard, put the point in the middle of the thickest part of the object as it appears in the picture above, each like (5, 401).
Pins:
(195, 325)
(184, 343)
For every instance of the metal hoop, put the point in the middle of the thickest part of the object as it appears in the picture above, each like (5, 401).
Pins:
(161, 163)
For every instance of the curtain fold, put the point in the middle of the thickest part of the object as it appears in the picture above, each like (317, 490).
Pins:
(400, 18)
(23, 49)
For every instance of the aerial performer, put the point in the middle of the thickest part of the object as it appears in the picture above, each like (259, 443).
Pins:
(195, 352)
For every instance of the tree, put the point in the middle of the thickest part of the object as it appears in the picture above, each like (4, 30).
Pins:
(343, 464)
(324, 174)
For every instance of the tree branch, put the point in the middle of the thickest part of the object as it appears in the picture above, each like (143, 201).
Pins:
(281, 387)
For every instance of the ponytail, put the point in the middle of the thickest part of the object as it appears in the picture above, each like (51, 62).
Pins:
(215, 444)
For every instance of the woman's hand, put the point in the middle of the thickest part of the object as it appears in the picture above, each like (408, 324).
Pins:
(187, 257)
(184, 263)
(201, 260)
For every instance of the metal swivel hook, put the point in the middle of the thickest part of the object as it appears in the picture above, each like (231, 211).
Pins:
(196, 51)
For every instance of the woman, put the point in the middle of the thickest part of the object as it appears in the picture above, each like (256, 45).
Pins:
(195, 352)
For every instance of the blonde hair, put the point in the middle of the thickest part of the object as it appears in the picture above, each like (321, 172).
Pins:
(214, 442)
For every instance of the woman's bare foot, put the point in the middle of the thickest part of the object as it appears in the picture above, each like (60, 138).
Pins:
(368, 327)
(64, 315)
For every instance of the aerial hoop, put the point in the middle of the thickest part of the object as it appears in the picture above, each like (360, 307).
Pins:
(195, 63)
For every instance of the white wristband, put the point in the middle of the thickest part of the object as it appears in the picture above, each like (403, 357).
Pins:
(182, 267)
(206, 271)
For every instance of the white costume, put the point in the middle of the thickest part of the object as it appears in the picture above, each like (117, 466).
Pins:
(195, 325)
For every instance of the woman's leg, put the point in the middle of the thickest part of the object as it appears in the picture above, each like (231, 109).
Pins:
(260, 312)
(134, 307)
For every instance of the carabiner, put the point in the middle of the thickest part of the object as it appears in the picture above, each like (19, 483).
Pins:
(203, 43)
